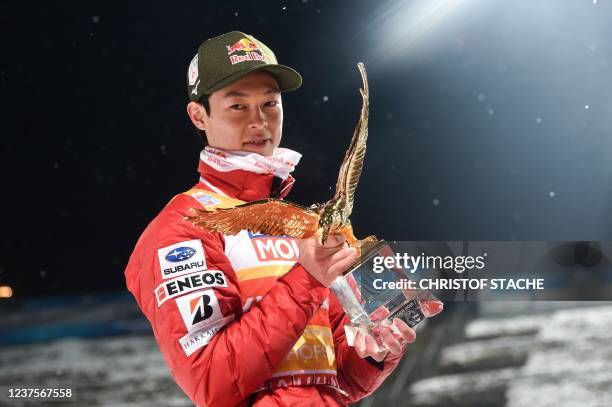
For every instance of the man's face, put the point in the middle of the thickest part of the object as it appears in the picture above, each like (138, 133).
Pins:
(246, 115)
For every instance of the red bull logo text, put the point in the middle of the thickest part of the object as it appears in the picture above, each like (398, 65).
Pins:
(250, 56)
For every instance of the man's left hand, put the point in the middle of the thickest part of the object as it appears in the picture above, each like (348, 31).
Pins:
(394, 338)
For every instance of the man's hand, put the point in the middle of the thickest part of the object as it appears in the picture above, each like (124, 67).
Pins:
(394, 337)
(326, 262)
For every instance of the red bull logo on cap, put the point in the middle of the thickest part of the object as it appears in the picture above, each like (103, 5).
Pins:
(250, 49)
(242, 45)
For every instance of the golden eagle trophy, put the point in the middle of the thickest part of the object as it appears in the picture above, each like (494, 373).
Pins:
(366, 306)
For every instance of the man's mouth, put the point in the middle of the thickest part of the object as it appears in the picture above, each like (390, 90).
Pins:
(257, 142)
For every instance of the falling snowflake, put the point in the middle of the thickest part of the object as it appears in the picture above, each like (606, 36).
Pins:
(436, 202)
(236, 14)
(538, 120)
(325, 98)
(551, 194)
(284, 7)
(95, 19)
(482, 97)
(586, 107)
(491, 111)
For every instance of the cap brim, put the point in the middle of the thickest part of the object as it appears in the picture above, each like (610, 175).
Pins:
(288, 79)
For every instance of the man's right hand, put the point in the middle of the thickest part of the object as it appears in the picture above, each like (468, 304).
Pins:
(326, 262)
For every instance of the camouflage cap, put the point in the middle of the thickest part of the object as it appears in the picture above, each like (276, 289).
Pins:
(224, 59)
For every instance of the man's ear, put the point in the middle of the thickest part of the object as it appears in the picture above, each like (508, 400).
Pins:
(197, 114)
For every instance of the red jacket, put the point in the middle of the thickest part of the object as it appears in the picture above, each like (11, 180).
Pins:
(237, 320)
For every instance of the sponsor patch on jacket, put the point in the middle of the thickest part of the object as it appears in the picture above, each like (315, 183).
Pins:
(186, 284)
(271, 248)
(199, 309)
(181, 258)
(200, 338)
(205, 199)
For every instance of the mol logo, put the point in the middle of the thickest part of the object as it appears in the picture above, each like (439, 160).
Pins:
(271, 248)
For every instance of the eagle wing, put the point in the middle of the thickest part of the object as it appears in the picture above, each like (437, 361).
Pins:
(269, 216)
(350, 170)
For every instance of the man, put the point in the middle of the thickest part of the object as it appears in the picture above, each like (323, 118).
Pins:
(249, 319)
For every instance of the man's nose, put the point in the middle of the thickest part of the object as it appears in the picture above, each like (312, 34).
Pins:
(257, 118)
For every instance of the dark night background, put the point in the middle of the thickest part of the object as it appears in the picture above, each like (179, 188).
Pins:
(490, 120)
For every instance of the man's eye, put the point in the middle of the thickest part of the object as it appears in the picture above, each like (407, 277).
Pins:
(272, 103)
(237, 107)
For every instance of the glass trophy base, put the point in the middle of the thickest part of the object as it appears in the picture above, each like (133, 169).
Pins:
(369, 307)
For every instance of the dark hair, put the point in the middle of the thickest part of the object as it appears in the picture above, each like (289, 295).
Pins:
(201, 133)
(204, 102)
